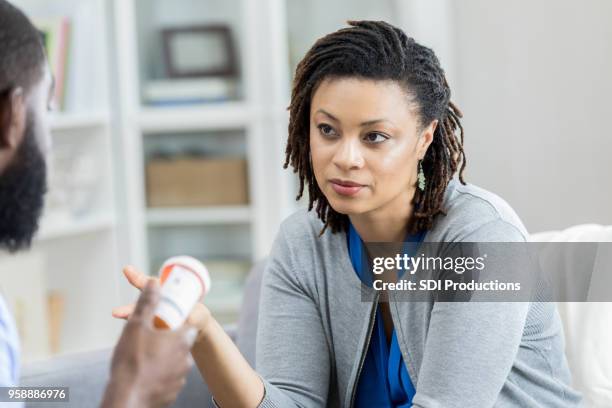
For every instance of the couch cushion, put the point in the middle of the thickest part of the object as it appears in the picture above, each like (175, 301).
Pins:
(588, 325)
(85, 374)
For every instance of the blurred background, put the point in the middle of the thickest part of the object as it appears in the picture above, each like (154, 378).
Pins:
(170, 126)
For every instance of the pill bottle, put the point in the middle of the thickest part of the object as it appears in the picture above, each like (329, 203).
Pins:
(184, 282)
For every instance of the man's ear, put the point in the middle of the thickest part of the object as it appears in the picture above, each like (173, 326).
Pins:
(12, 118)
(426, 138)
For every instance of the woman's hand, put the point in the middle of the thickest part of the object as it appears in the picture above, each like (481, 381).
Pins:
(200, 316)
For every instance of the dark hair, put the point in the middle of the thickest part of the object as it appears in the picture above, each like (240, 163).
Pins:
(379, 51)
(22, 189)
(21, 50)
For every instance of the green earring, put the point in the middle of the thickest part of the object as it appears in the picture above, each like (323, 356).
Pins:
(421, 177)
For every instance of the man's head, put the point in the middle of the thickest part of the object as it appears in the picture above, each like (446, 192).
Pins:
(25, 92)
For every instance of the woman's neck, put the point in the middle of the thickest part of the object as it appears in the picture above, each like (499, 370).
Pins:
(385, 224)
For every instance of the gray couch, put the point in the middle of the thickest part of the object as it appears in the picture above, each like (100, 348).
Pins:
(86, 374)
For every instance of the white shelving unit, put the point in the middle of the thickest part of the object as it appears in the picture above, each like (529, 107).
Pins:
(79, 121)
(257, 119)
(227, 115)
(54, 227)
(199, 216)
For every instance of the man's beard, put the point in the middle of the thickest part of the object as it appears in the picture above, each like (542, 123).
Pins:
(22, 188)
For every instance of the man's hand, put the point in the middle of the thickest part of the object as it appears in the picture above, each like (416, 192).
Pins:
(149, 366)
(199, 318)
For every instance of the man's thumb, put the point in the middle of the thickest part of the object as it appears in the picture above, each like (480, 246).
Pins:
(145, 307)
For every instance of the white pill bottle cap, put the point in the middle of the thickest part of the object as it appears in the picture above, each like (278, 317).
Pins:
(185, 281)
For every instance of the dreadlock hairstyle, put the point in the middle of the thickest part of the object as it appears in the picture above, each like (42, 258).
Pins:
(377, 50)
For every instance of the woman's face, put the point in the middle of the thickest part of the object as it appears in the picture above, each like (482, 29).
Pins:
(365, 145)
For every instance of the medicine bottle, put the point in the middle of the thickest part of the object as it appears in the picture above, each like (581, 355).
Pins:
(184, 282)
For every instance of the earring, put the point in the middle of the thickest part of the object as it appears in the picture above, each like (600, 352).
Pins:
(421, 176)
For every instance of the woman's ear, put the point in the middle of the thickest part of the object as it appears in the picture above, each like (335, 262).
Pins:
(12, 118)
(425, 138)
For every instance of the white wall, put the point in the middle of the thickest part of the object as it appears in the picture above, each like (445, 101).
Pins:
(309, 20)
(534, 79)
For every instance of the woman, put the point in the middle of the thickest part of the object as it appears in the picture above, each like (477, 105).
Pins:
(372, 136)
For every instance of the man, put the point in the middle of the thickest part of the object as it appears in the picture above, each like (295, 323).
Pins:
(148, 366)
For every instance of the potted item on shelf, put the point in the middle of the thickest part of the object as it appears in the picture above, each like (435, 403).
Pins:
(200, 65)
(196, 181)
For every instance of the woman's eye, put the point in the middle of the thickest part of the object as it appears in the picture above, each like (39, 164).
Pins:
(326, 130)
(375, 137)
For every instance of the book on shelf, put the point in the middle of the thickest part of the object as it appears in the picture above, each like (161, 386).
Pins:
(55, 33)
(161, 92)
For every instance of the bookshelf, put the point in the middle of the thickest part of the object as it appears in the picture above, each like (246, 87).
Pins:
(55, 227)
(200, 216)
(250, 124)
(80, 121)
(226, 115)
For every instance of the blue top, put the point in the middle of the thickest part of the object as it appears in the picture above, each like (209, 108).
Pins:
(9, 348)
(384, 380)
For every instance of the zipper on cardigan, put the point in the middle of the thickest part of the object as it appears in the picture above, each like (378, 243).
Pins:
(365, 350)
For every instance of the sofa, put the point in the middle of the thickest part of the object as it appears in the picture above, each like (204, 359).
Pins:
(588, 328)
(588, 325)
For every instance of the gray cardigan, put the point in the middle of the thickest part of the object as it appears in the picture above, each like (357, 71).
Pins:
(314, 328)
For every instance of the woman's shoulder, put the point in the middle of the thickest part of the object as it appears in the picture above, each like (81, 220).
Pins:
(300, 231)
(299, 246)
(476, 214)
(301, 224)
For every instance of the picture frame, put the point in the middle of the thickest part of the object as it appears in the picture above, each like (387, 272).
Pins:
(199, 51)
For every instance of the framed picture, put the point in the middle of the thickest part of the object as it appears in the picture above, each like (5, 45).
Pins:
(199, 51)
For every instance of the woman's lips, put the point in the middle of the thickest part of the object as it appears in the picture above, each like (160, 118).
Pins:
(346, 188)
